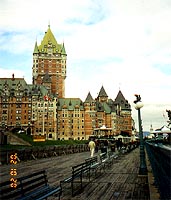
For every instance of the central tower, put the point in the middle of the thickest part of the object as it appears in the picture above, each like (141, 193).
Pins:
(49, 65)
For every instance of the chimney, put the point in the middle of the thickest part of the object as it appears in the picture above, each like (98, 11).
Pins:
(13, 77)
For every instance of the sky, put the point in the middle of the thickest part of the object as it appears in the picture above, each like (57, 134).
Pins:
(118, 44)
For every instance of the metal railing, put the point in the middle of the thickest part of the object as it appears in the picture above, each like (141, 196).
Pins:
(160, 159)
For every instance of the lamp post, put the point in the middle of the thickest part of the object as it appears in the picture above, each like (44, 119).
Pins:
(143, 167)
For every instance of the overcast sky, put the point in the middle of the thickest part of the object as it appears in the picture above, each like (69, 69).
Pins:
(120, 44)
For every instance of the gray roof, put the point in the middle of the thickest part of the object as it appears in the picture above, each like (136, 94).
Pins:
(89, 98)
(70, 103)
(102, 92)
(120, 99)
(11, 86)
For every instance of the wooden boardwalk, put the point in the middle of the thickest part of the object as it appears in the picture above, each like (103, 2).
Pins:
(120, 181)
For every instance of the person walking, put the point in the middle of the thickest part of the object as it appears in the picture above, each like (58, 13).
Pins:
(92, 147)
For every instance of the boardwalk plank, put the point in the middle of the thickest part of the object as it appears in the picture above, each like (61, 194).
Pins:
(117, 182)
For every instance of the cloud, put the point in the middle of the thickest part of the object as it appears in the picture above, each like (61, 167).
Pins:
(8, 73)
(115, 43)
(152, 114)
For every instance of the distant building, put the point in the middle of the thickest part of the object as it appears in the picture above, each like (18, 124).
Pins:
(23, 105)
(44, 112)
(78, 120)
(71, 119)
(114, 114)
(15, 102)
(42, 105)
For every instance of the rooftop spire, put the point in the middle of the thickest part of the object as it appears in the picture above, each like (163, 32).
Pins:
(89, 98)
(36, 50)
(102, 92)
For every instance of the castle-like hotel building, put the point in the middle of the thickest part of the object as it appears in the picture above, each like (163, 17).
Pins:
(42, 106)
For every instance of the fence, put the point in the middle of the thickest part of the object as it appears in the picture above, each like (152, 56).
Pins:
(30, 153)
(160, 159)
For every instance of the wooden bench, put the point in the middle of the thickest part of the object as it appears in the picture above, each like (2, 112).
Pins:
(93, 164)
(34, 186)
(105, 161)
(112, 156)
(78, 173)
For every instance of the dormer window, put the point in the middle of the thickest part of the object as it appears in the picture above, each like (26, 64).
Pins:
(49, 50)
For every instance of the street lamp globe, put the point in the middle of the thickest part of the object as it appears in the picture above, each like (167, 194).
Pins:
(138, 105)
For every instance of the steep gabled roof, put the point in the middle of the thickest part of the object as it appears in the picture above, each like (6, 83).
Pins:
(120, 99)
(63, 51)
(49, 40)
(36, 50)
(89, 98)
(102, 92)
(19, 84)
(13, 83)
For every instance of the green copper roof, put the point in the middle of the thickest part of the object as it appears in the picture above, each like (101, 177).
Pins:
(70, 103)
(15, 86)
(63, 49)
(48, 38)
(36, 50)
(49, 41)
(38, 90)
(107, 108)
(13, 83)
(103, 107)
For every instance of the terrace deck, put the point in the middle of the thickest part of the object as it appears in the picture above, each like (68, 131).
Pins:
(120, 181)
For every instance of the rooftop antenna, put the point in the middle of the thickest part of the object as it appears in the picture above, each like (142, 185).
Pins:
(119, 86)
(49, 23)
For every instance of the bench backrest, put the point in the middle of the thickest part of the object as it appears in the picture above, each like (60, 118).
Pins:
(32, 181)
(7, 191)
(103, 156)
(80, 168)
(91, 161)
